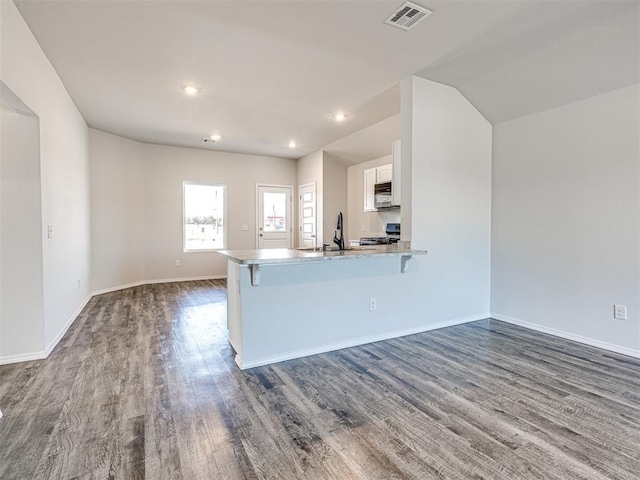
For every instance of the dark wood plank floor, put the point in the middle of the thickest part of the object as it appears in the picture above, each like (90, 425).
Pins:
(144, 386)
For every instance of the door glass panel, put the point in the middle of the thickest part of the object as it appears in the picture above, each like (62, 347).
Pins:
(275, 210)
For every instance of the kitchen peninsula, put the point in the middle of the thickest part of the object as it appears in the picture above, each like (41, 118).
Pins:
(285, 303)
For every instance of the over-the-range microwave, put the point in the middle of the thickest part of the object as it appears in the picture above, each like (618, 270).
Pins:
(382, 195)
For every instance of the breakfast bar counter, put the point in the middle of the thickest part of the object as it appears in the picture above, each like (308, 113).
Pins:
(284, 304)
(256, 258)
(288, 255)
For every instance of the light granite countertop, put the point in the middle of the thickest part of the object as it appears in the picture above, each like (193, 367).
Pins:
(286, 255)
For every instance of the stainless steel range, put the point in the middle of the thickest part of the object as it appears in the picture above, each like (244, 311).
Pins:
(393, 236)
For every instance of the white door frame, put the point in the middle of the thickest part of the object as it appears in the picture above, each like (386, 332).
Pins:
(290, 187)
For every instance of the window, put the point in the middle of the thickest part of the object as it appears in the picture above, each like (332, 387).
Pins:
(204, 216)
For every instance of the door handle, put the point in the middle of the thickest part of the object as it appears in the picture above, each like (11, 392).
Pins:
(312, 236)
(260, 234)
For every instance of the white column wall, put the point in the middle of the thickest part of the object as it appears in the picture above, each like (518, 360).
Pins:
(448, 212)
(64, 172)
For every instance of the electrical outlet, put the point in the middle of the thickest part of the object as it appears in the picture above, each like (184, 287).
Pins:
(373, 304)
(78, 284)
(245, 228)
(620, 312)
(177, 263)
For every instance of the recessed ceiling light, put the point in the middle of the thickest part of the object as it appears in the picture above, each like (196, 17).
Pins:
(190, 89)
(339, 117)
(216, 138)
(292, 144)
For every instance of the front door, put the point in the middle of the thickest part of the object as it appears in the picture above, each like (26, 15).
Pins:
(274, 217)
(307, 209)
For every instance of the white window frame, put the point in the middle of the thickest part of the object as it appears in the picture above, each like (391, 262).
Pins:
(184, 216)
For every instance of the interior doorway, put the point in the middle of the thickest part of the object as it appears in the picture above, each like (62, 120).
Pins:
(274, 228)
(307, 234)
(21, 231)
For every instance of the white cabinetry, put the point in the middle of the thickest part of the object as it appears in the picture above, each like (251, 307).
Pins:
(381, 174)
(384, 173)
(369, 182)
(397, 178)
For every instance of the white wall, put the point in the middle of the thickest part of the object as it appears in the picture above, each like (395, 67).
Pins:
(309, 169)
(449, 211)
(117, 210)
(64, 172)
(406, 156)
(334, 195)
(330, 176)
(167, 168)
(361, 223)
(566, 219)
(333, 299)
(136, 195)
(21, 297)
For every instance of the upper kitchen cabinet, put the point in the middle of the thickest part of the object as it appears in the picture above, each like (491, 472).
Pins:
(384, 173)
(372, 176)
(397, 178)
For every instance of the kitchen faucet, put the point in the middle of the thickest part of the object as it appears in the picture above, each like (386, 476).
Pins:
(339, 228)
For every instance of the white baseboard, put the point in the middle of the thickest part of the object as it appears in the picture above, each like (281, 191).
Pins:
(22, 357)
(568, 336)
(238, 361)
(27, 357)
(54, 343)
(149, 282)
(329, 347)
(186, 279)
(116, 288)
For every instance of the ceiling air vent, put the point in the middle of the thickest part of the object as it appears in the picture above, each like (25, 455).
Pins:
(407, 16)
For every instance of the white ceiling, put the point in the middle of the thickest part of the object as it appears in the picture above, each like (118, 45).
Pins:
(271, 71)
(572, 55)
(367, 144)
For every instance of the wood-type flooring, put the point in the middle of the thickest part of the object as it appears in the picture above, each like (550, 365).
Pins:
(144, 386)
